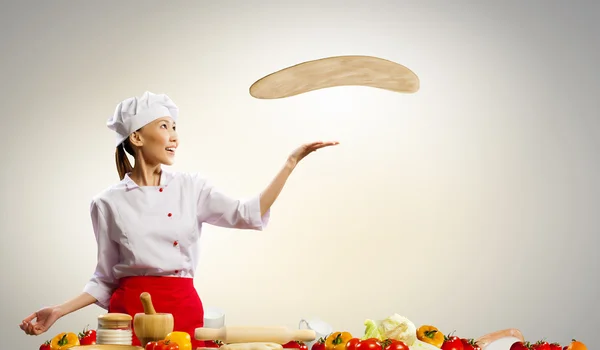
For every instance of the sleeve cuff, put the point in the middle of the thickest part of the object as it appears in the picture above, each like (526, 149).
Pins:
(100, 292)
(258, 222)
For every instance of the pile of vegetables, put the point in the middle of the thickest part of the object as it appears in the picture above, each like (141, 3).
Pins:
(544, 345)
(430, 337)
(66, 340)
(399, 333)
(173, 341)
(345, 341)
(393, 333)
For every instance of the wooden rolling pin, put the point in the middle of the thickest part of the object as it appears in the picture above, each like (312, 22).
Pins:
(254, 334)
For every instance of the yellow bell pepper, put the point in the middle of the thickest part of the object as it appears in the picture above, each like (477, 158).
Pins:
(431, 335)
(182, 339)
(337, 341)
(64, 341)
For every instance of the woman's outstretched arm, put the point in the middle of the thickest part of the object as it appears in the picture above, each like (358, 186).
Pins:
(272, 191)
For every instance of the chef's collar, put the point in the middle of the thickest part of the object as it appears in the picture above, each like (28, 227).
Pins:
(165, 178)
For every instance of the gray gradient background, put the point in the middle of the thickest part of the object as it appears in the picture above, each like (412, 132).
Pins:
(472, 205)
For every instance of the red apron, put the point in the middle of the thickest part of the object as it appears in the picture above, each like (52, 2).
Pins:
(174, 295)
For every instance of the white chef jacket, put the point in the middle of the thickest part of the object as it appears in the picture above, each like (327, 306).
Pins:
(154, 230)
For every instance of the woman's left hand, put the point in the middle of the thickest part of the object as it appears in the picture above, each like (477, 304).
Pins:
(304, 150)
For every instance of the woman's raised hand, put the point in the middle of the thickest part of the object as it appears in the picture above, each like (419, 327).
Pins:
(299, 153)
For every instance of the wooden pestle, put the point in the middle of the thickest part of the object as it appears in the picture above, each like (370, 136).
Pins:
(147, 304)
(150, 325)
(253, 334)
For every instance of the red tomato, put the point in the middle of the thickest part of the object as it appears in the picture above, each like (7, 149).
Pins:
(295, 344)
(369, 344)
(291, 345)
(162, 345)
(351, 344)
(555, 346)
(541, 345)
(470, 344)
(451, 337)
(393, 344)
(87, 337)
(452, 343)
(167, 345)
(319, 344)
(520, 346)
(45, 346)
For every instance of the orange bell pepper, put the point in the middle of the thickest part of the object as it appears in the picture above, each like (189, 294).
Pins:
(337, 341)
(64, 341)
(431, 335)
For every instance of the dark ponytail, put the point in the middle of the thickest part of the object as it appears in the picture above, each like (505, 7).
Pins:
(123, 164)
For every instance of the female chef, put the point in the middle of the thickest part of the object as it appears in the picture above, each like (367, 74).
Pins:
(147, 226)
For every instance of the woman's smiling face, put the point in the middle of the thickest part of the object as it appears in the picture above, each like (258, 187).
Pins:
(157, 141)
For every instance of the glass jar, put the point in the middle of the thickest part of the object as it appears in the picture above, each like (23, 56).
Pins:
(114, 329)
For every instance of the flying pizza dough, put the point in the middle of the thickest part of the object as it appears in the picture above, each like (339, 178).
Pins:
(336, 71)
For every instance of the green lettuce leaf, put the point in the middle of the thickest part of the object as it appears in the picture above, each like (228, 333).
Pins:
(372, 330)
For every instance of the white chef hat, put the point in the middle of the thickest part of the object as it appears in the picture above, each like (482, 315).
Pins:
(135, 112)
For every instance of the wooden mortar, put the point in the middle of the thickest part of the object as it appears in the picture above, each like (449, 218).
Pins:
(150, 325)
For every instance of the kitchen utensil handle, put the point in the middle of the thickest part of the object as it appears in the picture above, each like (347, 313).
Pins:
(209, 333)
(228, 334)
(147, 303)
(304, 335)
(303, 321)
